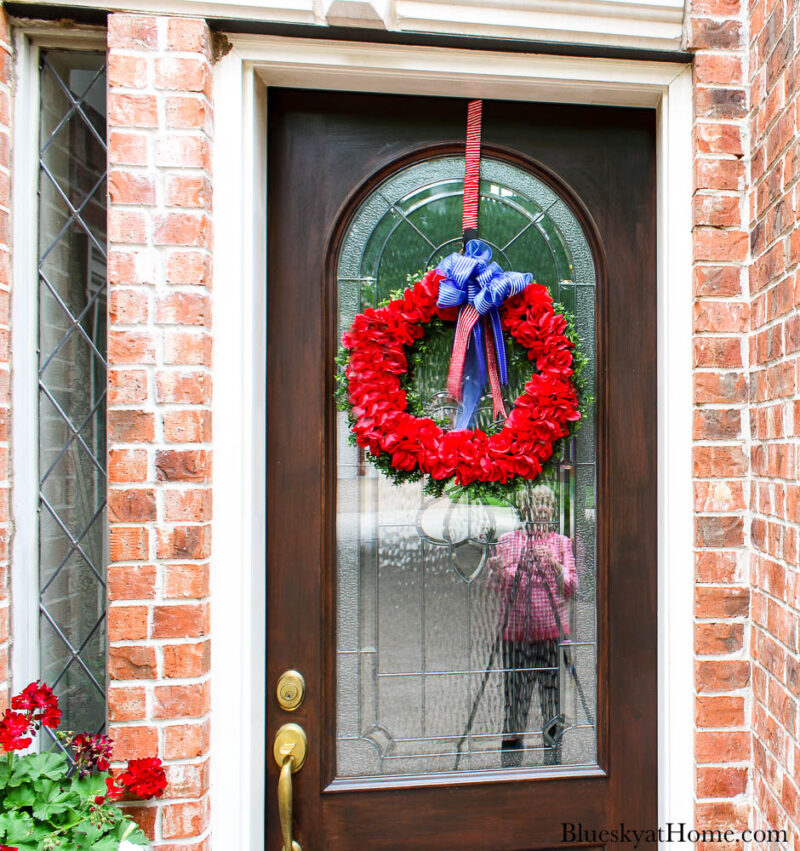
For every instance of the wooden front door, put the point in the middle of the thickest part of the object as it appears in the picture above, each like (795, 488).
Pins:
(377, 593)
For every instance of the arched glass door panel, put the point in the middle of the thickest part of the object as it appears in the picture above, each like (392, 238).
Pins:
(430, 678)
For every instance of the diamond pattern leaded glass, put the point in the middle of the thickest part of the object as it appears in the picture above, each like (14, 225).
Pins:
(72, 384)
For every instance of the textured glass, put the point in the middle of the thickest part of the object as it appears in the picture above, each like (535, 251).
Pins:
(72, 384)
(423, 679)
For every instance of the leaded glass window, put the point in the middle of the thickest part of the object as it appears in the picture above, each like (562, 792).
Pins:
(72, 383)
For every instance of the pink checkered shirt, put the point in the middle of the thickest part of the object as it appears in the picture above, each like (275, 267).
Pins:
(531, 616)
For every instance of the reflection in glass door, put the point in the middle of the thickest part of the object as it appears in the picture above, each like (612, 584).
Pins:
(455, 652)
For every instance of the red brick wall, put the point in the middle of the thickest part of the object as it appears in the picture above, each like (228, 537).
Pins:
(775, 411)
(159, 420)
(717, 36)
(746, 391)
(6, 75)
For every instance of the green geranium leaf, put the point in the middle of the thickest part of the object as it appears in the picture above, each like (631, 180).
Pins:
(21, 796)
(52, 765)
(105, 843)
(17, 824)
(89, 834)
(89, 787)
(5, 770)
(21, 772)
(34, 766)
(54, 800)
(22, 832)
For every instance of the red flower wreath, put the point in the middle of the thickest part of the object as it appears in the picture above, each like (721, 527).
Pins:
(541, 415)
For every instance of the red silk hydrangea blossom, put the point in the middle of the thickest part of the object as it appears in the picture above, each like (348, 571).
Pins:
(541, 415)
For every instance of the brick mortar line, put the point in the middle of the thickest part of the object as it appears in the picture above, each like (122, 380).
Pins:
(770, 596)
(164, 682)
(717, 156)
(765, 629)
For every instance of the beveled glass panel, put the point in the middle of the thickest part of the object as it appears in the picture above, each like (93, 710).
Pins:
(430, 679)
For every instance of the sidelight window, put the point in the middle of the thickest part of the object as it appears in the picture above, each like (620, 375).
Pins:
(72, 383)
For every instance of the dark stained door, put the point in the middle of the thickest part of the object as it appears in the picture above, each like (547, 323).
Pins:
(323, 147)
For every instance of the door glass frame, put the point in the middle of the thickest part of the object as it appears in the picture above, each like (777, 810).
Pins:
(571, 212)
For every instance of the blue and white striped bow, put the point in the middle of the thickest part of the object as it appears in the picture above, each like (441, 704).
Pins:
(476, 283)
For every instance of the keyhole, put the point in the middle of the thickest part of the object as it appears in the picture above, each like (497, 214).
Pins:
(291, 689)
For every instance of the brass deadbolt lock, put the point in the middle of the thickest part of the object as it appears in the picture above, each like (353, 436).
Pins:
(291, 690)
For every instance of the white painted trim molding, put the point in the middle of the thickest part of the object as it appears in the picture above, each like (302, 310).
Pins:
(656, 25)
(239, 751)
(238, 597)
(24, 378)
(646, 24)
(675, 492)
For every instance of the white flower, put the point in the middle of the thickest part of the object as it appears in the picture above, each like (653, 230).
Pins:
(129, 846)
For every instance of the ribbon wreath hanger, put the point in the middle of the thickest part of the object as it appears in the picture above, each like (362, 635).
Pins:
(479, 286)
(472, 171)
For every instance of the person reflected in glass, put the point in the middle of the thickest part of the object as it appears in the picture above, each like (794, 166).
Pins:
(534, 573)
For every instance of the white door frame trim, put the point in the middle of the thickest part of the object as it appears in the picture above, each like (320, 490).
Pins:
(239, 693)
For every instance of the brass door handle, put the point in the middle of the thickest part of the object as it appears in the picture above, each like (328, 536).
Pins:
(291, 745)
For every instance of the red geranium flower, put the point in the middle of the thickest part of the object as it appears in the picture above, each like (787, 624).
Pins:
(145, 778)
(34, 696)
(113, 792)
(91, 753)
(40, 704)
(13, 727)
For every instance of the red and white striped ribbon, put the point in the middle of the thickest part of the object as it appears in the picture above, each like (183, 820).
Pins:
(472, 166)
(455, 377)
